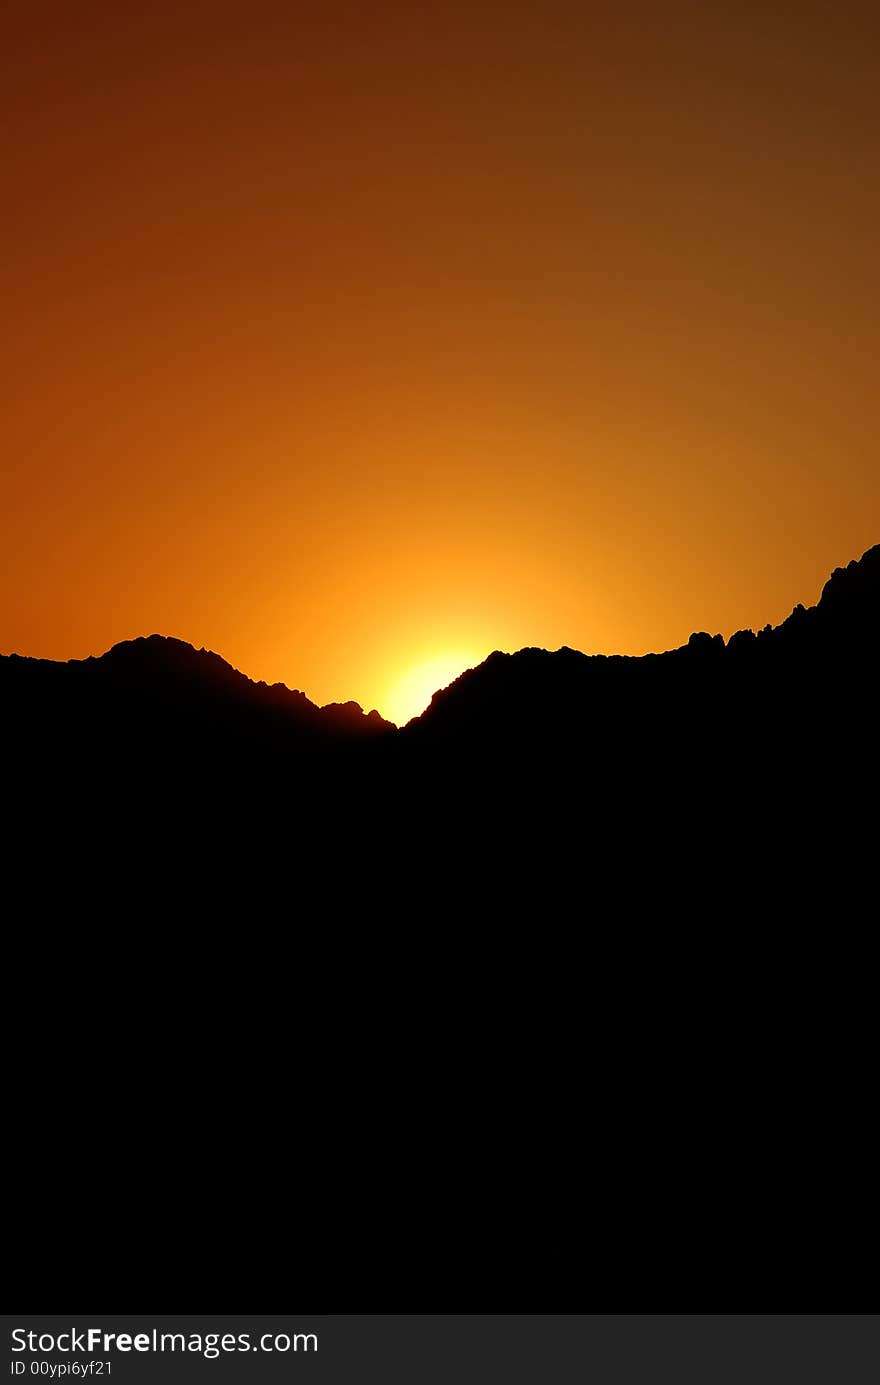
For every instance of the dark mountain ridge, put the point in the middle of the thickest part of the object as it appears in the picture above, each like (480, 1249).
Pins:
(561, 989)
(813, 655)
(161, 687)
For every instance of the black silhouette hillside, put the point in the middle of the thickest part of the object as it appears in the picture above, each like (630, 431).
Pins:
(559, 992)
(530, 752)
(812, 676)
(160, 696)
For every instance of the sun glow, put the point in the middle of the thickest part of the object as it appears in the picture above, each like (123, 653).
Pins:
(411, 694)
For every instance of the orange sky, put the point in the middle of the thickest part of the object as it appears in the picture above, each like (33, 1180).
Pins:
(347, 338)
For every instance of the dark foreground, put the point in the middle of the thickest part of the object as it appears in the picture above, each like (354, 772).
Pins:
(561, 994)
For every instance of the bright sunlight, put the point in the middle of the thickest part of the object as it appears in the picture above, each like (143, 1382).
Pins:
(412, 693)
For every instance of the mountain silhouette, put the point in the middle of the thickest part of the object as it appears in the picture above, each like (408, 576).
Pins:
(538, 748)
(558, 991)
(754, 685)
(162, 692)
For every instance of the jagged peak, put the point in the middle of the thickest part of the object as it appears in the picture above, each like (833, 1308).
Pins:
(858, 579)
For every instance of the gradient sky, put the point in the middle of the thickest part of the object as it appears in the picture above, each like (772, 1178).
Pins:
(346, 339)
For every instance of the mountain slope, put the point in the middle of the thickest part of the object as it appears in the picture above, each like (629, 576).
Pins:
(160, 695)
(756, 685)
(813, 676)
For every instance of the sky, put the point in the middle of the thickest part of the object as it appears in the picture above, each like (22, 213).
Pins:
(354, 341)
